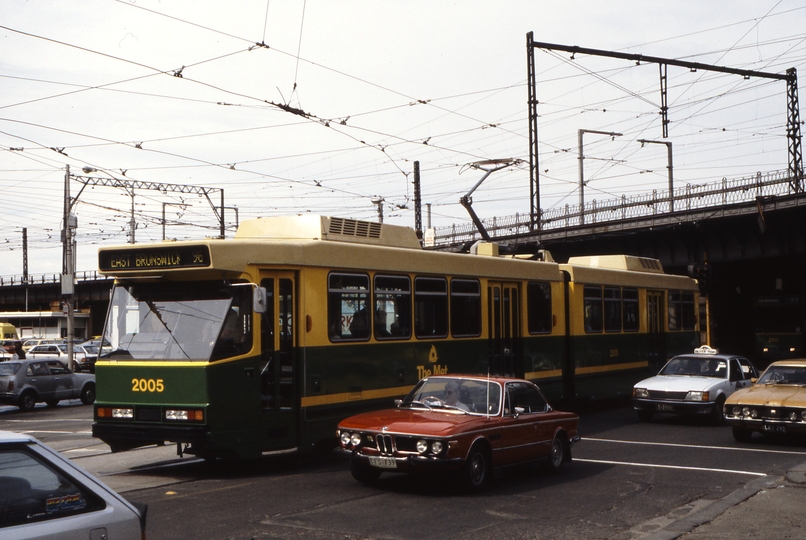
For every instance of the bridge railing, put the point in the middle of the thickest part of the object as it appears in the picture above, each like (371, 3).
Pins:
(45, 279)
(689, 197)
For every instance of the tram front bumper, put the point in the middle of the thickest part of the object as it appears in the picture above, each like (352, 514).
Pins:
(123, 436)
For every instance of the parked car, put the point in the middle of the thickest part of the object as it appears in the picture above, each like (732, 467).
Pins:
(55, 351)
(85, 357)
(697, 383)
(44, 495)
(776, 403)
(464, 424)
(25, 383)
(28, 343)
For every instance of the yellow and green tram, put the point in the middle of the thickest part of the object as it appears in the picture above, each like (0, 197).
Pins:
(262, 343)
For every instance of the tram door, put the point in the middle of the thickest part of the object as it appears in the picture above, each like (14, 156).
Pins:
(655, 342)
(503, 300)
(278, 399)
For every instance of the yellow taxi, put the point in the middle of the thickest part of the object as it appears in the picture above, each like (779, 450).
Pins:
(776, 403)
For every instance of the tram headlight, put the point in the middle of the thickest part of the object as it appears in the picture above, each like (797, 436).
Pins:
(184, 415)
(640, 392)
(123, 413)
(697, 396)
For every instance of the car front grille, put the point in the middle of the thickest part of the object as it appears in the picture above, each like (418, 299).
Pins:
(662, 394)
(384, 443)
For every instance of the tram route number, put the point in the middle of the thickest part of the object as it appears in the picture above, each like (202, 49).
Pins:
(147, 385)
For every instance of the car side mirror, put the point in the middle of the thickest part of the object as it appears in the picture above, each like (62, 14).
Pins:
(519, 411)
(398, 402)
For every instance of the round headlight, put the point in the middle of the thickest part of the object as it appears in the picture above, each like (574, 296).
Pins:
(422, 446)
(345, 438)
(793, 416)
(753, 413)
(746, 411)
(803, 414)
(355, 439)
(436, 447)
(737, 411)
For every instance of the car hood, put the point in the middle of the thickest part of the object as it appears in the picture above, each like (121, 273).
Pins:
(678, 383)
(436, 423)
(773, 395)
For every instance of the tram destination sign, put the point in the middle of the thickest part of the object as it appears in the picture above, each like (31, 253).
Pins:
(153, 258)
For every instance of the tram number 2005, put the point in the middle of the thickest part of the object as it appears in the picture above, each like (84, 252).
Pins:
(147, 385)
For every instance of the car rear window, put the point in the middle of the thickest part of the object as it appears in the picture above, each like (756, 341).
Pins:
(9, 368)
(34, 490)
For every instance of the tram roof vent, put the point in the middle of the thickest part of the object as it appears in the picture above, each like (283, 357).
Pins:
(490, 249)
(334, 229)
(619, 262)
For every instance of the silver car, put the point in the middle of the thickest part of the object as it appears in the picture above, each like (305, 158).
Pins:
(25, 383)
(46, 497)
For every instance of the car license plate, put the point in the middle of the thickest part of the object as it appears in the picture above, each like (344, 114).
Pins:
(665, 407)
(775, 428)
(383, 462)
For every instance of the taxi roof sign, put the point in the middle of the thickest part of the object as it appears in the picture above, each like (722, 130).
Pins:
(705, 349)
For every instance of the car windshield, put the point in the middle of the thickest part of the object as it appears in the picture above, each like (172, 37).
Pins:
(9, 368)
(452, 393)
(178, 321)
(784, 375)
(696, 366)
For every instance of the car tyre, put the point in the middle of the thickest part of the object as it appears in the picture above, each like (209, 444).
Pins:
(556, 457)
(741, 434)
(718, 414)
(362, 472)
(645, 415)
(52, 402)
(88, 395)
(476, 471)
(27, 401)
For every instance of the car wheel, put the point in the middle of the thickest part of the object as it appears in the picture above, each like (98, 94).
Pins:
(27, 401)
(52, 402)
(88, 395)
(363, 472)
(741, 434)
(556, 457)
(476, 471)
(645, 415)
(718, 414)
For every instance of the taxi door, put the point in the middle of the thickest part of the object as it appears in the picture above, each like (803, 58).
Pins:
(279, 402)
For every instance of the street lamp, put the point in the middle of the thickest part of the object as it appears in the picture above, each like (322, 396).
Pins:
(669, 167)
(582, 169)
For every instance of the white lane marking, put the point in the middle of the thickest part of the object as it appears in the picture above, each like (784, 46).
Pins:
(32, 431)
(652, 465)
(678, 445)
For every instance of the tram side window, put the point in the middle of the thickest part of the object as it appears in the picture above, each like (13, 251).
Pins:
(538, 304)
(430, 307)
(593, 308)
(465, 308)
(348, 307)
(392, 307)
(681, 311)
(630, 309)
(612, 307)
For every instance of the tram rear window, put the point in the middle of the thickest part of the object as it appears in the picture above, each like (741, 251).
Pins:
(681, 311)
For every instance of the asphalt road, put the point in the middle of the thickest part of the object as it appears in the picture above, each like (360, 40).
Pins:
(627, 479)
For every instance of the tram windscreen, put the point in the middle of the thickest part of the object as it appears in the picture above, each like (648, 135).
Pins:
(178, 321)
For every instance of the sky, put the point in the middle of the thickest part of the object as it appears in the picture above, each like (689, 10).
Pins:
(325, 106)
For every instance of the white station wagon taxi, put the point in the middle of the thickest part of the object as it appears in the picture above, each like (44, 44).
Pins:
(697, 383)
